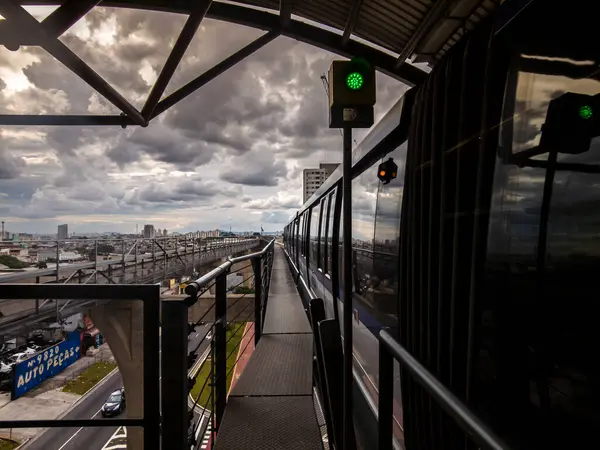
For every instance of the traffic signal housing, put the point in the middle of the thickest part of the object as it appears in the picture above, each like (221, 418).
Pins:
(572, 121)
(387, 171)
(352, 94)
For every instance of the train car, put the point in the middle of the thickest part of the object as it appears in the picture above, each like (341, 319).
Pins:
(480, 255)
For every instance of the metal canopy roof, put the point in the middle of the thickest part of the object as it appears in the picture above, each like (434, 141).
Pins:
(419, 29)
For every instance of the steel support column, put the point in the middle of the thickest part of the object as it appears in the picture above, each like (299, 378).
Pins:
(152, 369)
(174, 382)
(220, 337)
(258, 294)
(348, 427)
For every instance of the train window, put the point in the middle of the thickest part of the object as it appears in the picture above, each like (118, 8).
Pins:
(314, 234)
(322, 235)
(302, 234)
(329, 231)
(341, 281)
(296, 238)
(364, 201)
(543, 253)
(386, 244)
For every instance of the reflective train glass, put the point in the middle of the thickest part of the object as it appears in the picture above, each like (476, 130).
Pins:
(536, 355)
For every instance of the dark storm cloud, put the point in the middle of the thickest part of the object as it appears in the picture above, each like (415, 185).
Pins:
(192, 189)
(19, 190)
(163, 144)
(242, 127)
(11, 165)
(257, 168)
(64, 138)
(275, 97)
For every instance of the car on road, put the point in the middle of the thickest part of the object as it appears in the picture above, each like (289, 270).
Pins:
(115, 404)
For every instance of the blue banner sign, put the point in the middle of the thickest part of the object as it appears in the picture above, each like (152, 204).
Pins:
(31, 372)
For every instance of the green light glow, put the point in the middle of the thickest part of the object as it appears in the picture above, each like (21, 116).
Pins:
(355, 81)
(585, 112)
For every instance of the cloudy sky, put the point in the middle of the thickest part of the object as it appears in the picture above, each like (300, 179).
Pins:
(232, 154)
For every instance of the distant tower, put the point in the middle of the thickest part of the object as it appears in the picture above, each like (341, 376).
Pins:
(2, 237)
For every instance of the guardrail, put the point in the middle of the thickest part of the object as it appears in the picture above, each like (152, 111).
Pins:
(180, 426)
(46, 308)
(390, 349)
(149, 295)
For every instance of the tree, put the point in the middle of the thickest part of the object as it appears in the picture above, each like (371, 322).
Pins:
(105, 249)
(12, 263)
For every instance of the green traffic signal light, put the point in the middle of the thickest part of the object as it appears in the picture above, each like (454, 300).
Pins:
(355, 81)
(586, 112)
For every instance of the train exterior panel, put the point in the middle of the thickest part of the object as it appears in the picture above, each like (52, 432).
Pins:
(480, 256)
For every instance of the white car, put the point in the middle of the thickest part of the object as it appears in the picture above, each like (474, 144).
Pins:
(5, 368)
(19, 357)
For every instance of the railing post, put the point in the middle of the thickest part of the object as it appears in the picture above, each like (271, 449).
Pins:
(220, 337)
(386, 398)
(96, 262)
(174, 383)
(256, 267)
(57, 260)
(152, 374)
(37, 300)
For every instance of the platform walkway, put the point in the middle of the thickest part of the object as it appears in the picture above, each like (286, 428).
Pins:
(271, 406)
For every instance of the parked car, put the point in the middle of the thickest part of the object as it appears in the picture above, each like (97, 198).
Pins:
(19, 357)
(5, 368)
(115, 404)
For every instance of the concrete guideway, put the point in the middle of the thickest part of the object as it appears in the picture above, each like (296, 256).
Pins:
(21, 314)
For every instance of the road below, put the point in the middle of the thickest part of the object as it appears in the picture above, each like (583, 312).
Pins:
(98, 438)
(85, 437)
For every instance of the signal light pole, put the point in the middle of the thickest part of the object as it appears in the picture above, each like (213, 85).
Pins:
(351, 99)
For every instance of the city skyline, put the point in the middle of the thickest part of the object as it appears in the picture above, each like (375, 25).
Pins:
(237, 163)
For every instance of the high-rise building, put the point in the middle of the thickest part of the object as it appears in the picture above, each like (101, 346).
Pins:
(63, 232)
(314, 178)
(164, 232)
(148, 231)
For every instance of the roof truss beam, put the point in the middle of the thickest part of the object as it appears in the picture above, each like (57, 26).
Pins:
(351, 22)
(67, 15)
(285, 12)
(429, 21)
(22, 29)
(63, 18)
(214, 72)
(183, 41)
(19, 19)
(44, 120)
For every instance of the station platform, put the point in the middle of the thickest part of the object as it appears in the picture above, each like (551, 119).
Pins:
(271, 406)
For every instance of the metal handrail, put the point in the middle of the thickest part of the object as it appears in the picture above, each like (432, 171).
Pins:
(390, 348)
(194, 287)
